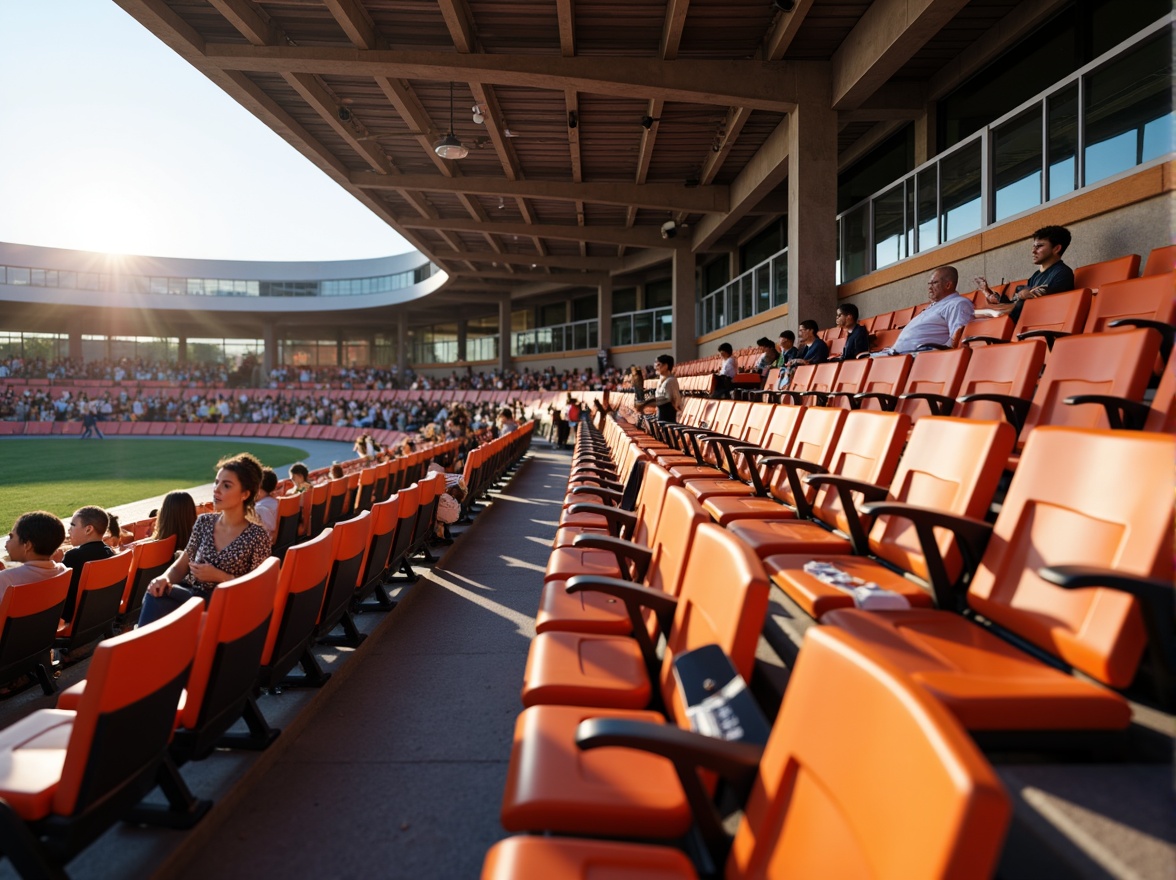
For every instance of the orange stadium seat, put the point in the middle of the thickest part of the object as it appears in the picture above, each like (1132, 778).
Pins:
(29, 616)
(149, 559)
(100, 593)
(348, 553)
(295, 603)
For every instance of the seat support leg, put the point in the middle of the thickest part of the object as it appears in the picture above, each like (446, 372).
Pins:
(184, 809)
(260, 733)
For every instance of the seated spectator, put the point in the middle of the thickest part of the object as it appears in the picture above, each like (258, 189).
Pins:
(223, 545)
(176, 516)
(725, 377)
(507, 422)
(788, 351)
(33, 541)
(300, 477)
(812, 349)
(858, 340)
(767, 358)
(942, 323)
(336, 472)
(87, 528)
(266, 507)
(1052, 275)
(116, 536)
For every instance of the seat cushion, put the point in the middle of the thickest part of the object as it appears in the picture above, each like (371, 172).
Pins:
(725, 509)
(705, 488)
(552, 785)
(565, 536)
(32, 755)
(769, 537)
(986, 682)
(697, 471)
(817, 597)
(582, 520)
(568, 562)
(562, 858)
(584, 669)
(583, 612)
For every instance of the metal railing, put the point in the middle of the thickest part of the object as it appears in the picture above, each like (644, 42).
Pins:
(760, 288)
(643, 327)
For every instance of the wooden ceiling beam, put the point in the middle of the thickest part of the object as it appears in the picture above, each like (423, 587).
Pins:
(784, 30)
(249, 20)
(532, 260)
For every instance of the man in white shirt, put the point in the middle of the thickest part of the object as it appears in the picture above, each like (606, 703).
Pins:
(266, 506)
(942, 323)
(725, 377)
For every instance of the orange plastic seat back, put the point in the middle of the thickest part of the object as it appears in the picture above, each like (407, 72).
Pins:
(934, 372)
(1163, 406)
(671, 544)
(815, 440)
(149, 560)
(757, 423)
(229, 652)
(651, 498)
(127, 712)
(298, 596)
(336, 499)
(100, 593)
(887, 376)
(837, 345)
(1152, 297)
(348, 552)
(901, 317)
(1096, 275)
(880, 322)
(737, 420)
(29, 616)
(385, 518)
(1065, 312)
(867, 449)
(723, 601)
(1080, 497)
(850, 379)
(366, 488)
(318, 496)
(1010, 369)
(1161, 260)
(802, 377)
(289, 518)
(1000, 327)
(952, 465)
(824, 376)
(830, 802)
(1119, 364)
(884, 338)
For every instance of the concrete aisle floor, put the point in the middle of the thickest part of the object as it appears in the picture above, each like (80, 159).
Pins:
(400, 773)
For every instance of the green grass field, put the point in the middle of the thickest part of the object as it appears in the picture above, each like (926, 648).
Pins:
(62, 475)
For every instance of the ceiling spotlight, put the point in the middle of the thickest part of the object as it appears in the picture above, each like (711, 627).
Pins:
(648, 121)
(344, 114)
(479, 117)
(572, 120)
(449, 147)
(501, 203)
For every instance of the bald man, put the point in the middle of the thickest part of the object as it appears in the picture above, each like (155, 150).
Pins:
(941, 323)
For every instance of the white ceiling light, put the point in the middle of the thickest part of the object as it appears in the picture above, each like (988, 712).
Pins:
(449, 147)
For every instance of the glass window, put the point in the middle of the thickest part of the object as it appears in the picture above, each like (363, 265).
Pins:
(18, 276)
(67, 279)
(37, 277)
(663, 325)
(622, 331)
(763, 288)
(159, 286)
(959, 181)
(853, 243)
(1128, 107)
(1062, 125)
(780, 279)
(890, 227)
(643, 327)
(1016, 164)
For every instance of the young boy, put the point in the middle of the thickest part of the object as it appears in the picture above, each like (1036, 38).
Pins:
(87, 527)
(34, 539)
(300, 477)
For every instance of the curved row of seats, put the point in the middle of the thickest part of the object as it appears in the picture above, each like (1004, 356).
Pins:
(950, 618)
(157, 697)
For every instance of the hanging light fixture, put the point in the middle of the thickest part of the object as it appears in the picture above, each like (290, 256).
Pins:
(449, 147)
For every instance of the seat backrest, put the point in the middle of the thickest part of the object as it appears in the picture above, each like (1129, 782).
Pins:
(1011, 370)
(229, 652)
(887, 376)
(802, 377)
(317, 495)
(1096, 275)
(127, 712)
(1118, 364)
(815, 440)
(824, 376)
(850, 379)
(1161, 260)
(828, 802)
(385, 518)
(867, 450)
(1163, 406)
(1000, 327)
(723, 601)
(1080, 497)
(336, 499)
(410, 503)
(934, 372)
(837, 345)
(672, 540)
(901, 317)
(1065, 312)
(289, 518)
(29, 615)
(951, 465)
(884, 337)
(149, 560)
(651, 498)
(1150, 297)
(367, 487)
(100, 593)
(297, 598)
(880, 322)
(348, 552)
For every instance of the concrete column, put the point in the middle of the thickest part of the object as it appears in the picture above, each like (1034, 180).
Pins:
(75, 345)
(733, 267)
(684, 343)
(461, 340)
(812, 206)
(339, 349)
(604, 292)
(504, 333)
(926, 130)
(182, 350)
(639, 297)
(269, 352)
(402, 345)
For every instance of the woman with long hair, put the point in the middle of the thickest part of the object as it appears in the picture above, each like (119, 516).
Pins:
(177, 515)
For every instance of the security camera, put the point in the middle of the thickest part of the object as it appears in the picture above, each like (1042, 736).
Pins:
(344, 114)
(669, 229)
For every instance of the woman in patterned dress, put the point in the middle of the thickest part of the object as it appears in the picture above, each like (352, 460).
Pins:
(223, 545)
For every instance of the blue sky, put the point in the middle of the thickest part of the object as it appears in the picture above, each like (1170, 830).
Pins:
(109, 141)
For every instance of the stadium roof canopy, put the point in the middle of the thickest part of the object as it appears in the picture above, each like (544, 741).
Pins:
(601, 120)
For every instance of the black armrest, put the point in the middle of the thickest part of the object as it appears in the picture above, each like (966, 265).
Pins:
(987, 340)
(792, 468)
(688, 750)
(853, 404)
(940, 404)
(1050, 336)
(618, 520)
(1155, 600)
(1121, 412)
(1015, 408)
(971, 537)
(888, 401)
(845, 487)
(622, 550)
(729, 445)
(933, 346)
(1167, 331)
